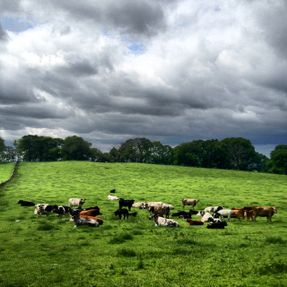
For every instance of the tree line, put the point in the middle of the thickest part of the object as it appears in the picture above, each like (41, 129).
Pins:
(229, 153)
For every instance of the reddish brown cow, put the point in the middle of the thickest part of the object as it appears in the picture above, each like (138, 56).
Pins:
(265, 211)
(194, 222)
(237, 213)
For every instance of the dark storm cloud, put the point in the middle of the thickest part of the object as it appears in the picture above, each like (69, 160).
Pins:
(274, 25)
(136, 17)
(202, 72)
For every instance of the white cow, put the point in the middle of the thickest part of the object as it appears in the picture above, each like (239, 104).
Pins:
(205, 216)
(76, 202)
(161, 221)
(112, 197)
(213, 209)
(225, 213)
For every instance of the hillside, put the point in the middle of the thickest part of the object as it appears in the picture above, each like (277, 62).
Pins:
(5, 171)
(135, 252)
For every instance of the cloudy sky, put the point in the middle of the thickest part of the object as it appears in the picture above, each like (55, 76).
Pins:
(168, 70)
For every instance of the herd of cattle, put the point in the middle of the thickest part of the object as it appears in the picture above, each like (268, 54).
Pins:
(214, 216)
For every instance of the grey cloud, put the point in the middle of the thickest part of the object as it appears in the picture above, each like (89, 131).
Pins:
(272, 19)
(3, 34)
(135, 17)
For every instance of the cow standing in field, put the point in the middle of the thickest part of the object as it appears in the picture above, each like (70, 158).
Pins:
(265, 211)
(126, 202)
(189, 201)
(76, 202)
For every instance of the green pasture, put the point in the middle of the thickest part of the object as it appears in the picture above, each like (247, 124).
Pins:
(5, 171)
(49, 251)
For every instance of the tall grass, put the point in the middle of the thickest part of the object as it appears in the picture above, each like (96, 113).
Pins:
(35, 251)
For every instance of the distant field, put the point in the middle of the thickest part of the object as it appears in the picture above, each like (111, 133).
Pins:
(5, 171)
(48, 251)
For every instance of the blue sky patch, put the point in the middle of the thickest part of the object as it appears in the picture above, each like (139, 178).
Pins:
(15, 24)
(136, 48)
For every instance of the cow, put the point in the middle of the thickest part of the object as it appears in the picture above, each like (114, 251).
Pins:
(213, 209)
(194, 222)
(62, 210)
(160, 210)
(76, 202)
(91, 211)
(265, 211)
(150, 204)
(237, 213)
(25, 203)
(161, 221)
(122, 212)
(139, 204)
(205, 216)
(112, 197)
(44, 208)
(87, 220)
(113, 191)
(189, 201)
(126, 202)
(250, 212)
(216, 224)
(184, 214)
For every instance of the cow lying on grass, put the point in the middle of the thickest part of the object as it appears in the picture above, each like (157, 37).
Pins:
(161, 221)
(184, 214)
(26, 203)
(194, 222)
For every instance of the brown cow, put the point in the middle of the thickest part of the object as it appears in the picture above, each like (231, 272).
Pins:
(265, 211)
(194, 222)
(237, 213)
(160, 211)
(189, 201)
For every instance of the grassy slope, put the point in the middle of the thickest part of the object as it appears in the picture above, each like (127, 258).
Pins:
(5, 171)
(135, 252)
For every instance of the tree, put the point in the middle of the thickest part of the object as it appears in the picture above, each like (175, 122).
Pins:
(279, 159)
(135, 150)
(75, 148)
(39, 148)
(160, 154)
(2, 145)
(239, 153)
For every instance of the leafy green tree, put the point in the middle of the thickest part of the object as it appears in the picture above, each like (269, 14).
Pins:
(135, 150)
(114, 155)
(239, 153)
(97, 155)
(160, 154)
(39, 148)
(279, 159)
(2, 145)
(76, 148)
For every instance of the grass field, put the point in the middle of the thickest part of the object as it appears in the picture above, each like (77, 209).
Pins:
(5, 171)
(48, 251)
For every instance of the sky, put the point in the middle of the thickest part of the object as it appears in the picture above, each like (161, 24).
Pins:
(168, 70)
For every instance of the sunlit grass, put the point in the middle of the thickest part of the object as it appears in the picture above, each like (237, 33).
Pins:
(134, 252)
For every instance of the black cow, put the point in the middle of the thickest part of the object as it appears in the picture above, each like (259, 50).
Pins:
(184, 214)
(62, 210)
(122, 212)
(113, 191)
(126, 202)
(216, 224)
(26, 203)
